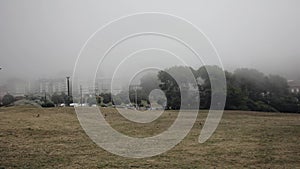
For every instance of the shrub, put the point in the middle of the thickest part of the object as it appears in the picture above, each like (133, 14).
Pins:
(8, 99)
(48, 104)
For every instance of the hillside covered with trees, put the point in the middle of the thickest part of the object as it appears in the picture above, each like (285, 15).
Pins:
(247, 89)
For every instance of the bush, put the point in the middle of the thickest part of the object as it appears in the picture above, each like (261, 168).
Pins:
(103, 105)
(48, 104)
(91, 101)
(7, 100)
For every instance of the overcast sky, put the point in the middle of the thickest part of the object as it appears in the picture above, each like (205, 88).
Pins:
(43, 38)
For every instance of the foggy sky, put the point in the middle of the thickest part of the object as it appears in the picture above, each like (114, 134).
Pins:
(43, 38)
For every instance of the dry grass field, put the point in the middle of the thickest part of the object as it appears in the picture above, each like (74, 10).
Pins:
(53, 138)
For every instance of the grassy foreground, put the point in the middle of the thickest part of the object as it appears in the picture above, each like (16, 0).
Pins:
(53, 138)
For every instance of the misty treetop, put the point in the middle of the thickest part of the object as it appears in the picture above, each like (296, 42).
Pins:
(247, 89)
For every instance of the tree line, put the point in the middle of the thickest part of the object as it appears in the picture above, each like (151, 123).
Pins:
(247, 89)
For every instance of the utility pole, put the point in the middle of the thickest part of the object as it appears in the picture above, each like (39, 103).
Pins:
(68, 87)
(298, 104)
(80, 95)
(0, 91)
(96, 91)
(136, 106)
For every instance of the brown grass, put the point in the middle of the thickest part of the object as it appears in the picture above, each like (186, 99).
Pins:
(54, 139)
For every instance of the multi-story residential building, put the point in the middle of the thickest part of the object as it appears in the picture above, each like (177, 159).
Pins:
(51, 86)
